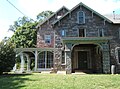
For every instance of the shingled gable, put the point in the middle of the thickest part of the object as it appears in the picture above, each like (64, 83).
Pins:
(81, 4)
(63, 7)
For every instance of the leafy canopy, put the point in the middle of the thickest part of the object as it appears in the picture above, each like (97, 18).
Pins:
(25, 33)
(7, 56)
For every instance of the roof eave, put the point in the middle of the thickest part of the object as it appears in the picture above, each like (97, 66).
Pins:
(87, 8)
(51, 16)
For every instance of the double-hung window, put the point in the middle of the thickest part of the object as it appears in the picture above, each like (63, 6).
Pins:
(63, 33)
(101, 32)
(81, 17)
(48, 39)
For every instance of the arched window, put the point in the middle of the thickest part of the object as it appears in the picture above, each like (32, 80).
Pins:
(81, 17)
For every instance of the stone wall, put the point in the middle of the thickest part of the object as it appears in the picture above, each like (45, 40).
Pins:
(93, 22)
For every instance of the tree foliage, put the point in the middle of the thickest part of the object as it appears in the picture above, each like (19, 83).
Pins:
(7, 56)
(44, 15)
(25, 33)
(20, 22)
(25, 36)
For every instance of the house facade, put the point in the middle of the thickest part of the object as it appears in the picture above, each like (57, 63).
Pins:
(79, 39)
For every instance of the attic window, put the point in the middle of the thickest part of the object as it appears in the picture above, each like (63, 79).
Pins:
(81, 17)
(58, 17)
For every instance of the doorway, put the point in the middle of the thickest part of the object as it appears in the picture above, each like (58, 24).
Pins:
(82, 60)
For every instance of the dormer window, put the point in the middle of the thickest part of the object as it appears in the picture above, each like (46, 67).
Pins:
(81, 17)
(59, 16)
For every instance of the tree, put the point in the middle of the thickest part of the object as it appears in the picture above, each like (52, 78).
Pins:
(44, 15)
(25, 33)
(7, 56)
(20, 22)
(25, 36)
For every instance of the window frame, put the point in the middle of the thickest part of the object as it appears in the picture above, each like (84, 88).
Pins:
(47, 57)
(101, 33)
(46, 38)
(63, 31)
(83, 17)
(84, 32)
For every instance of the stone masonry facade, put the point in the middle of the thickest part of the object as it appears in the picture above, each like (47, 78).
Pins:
(107, 41)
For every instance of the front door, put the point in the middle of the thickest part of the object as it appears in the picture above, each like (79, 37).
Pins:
(82, 60)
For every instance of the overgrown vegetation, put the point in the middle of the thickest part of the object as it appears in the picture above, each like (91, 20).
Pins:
(53, 81)
(7, 56)
(25, 32)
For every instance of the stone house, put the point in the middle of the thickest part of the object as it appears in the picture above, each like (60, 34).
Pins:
(79, 39)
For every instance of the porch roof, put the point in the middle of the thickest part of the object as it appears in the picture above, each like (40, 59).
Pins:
(33, 49)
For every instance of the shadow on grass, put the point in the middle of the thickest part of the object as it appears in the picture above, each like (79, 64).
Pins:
(13, 81)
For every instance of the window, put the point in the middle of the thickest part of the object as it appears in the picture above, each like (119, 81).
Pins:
(45, 60)
(82, 33)
(63, 33)
(48, 39)
(101, 32)
(81, 17)
(49, 60)
(41, 60)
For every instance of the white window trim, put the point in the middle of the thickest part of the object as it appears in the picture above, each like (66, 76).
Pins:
(85, 32)
(116, 54)
(45, 58)
(45, 38)
(83, 17)
(64, 32)
(102, 32)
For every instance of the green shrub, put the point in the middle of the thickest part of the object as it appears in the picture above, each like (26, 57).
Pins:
(7, 56)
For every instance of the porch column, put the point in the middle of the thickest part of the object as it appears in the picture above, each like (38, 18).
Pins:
(28, 63)
(106, 58)
(68, 58)
(68, 62)
(22, 63)
(36, 58)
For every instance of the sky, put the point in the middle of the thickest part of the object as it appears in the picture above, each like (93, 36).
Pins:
(31, 8)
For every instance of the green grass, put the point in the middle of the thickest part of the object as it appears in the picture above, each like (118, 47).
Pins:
(54, 81)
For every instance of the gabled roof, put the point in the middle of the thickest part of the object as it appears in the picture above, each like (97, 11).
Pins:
(81, 4)
(63, 7)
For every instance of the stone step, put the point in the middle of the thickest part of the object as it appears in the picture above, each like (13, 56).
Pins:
(79, 73)
(45, 72)
(61, 72)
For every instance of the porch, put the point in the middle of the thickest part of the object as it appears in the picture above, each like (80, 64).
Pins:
(41, 57)
(87, 54)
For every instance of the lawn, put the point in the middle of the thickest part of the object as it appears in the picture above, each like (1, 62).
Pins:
(54, 81)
